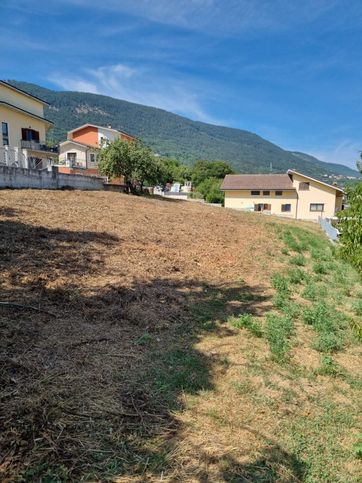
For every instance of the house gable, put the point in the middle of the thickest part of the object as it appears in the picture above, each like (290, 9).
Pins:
(292, 194)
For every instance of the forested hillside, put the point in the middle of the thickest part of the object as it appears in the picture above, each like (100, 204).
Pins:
(171, 135)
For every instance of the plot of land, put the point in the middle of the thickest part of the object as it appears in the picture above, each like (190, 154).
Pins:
(146, 350)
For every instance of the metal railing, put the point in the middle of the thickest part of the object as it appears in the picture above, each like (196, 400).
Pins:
(72, 163)
(37, 146)
(12, 157)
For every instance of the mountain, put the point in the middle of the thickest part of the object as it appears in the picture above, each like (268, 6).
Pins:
(172, 135)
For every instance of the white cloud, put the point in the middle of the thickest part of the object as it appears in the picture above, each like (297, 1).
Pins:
(142, 86)
(223, 17)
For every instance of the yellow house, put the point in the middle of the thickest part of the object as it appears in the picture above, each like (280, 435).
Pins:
(292, 195)
(23, 129)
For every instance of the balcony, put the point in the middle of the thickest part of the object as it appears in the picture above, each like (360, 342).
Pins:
(37, 146)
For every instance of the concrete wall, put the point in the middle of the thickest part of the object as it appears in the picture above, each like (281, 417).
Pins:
(33, 178)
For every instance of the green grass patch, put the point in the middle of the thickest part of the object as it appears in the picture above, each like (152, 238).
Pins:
(317, 442)
(280, 283)
(298, 260)
(329, 367)
(145, 338)
(279, 329)
(247, 321)
(357, 308)
(180, 371)
(320, 255)
(321, 268)
(320, 317)
(357, 447)
(328, 342)
(296, 276)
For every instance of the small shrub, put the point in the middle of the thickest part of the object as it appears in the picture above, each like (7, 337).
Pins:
(356, 328)
(357, 447)
(282, 303)
(279, 329)
(328, 342)
(357, 307)
(310, 292)
(321, 268)
(280, 283)
(285, 251)
(247, 321)
(296, 276)
(328, 367)
(320, 256)
(291, 242)
(319, 317)
(298, 260)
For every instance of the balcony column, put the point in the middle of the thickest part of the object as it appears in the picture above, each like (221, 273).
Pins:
(23, 158)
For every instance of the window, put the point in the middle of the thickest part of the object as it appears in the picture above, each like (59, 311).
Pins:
(304, 186)
(255, 193)
(262, 207)
(316, 207)
(279, 193)
(104, 142)
(5, 132)
(266, 193)
(92, 158)
(286, 208)
(72, 157)
(29, 135)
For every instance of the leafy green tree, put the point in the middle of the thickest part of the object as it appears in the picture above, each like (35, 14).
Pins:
(210, 190)
(175, 170)
(132, 160)
(351, 225)
(209, 169)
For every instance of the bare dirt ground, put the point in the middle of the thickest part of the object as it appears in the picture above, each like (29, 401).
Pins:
(120, 366)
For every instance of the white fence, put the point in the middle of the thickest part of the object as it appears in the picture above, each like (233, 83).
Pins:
(12, 157)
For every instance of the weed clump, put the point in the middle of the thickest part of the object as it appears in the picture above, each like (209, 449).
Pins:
(279, 329)
(247, 321)
(329, 367)
(318, 316)
(328, 342)
(321, 268)
(298, 260)
(357, 308)
(280, 283)
(296, 276)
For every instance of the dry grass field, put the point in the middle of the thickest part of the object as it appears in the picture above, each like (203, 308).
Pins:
(171, 341)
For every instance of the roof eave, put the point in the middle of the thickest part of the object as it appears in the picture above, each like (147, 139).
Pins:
(35, 116)
(24, 92)
(100, 127)
(292, 171)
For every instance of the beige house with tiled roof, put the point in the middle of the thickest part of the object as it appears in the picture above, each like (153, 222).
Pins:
(23, 129)
(293, 195)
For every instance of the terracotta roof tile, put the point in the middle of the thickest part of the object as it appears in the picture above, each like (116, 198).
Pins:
(257, 182)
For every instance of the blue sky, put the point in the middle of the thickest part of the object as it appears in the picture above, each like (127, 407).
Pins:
(287, 70)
